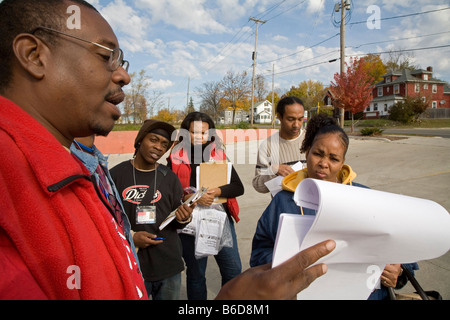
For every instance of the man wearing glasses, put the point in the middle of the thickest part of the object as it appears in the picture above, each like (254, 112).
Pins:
(57, 239)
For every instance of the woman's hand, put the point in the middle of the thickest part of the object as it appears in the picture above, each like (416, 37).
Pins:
(208, 198)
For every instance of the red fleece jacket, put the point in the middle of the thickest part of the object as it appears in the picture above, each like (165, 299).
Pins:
(52, 222)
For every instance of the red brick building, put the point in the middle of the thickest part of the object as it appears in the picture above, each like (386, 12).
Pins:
(395, 86)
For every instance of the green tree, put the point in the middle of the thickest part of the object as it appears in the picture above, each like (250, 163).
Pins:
(408, 110)
(190, 107)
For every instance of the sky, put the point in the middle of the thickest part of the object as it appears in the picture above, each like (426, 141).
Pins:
(181, 42)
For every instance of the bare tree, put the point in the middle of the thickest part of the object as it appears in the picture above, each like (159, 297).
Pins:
(236, 91)
(135, 102)
(260, 88)
(139, 103)
(398, 60)
(210, 93)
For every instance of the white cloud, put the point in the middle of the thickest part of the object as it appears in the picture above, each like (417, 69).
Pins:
(186, 15)
(280, 38)
(124, 19)
(160, 84)
(315, 6)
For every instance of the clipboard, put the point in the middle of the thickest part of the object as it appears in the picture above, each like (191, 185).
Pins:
(213, 175)
(194, 197)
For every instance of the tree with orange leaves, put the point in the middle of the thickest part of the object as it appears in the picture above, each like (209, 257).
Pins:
(352, 90)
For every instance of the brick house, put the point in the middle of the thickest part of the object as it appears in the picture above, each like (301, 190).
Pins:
(395, 86)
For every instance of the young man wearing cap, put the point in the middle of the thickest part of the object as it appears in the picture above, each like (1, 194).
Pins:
(150, 192)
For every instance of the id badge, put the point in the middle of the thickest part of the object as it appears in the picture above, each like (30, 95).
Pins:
(145, 214)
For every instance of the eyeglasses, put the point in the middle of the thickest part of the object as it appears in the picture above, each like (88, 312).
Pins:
(116, 58)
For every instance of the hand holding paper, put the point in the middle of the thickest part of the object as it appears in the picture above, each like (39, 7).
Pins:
(192, 199)
(371, 229)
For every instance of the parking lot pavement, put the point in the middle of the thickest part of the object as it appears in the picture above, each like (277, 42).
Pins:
(414, 166)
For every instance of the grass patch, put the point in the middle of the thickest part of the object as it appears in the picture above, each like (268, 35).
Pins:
(384, 123)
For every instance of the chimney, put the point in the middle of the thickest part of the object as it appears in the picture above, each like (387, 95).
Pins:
(430, 69)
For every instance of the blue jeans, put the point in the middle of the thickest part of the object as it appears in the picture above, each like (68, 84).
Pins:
(227, 259)
(166, 289)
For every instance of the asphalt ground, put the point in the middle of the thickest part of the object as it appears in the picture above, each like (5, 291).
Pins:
(413, 166)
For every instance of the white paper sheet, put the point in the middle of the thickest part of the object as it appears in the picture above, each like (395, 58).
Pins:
(274, 185)
(371, 229)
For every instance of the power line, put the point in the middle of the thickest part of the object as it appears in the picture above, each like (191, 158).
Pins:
(293, 54)
(403, 50)
(364, 54)
(212, 62)
(401, 39)
(287, 10)
(403, 16)
(223, 52)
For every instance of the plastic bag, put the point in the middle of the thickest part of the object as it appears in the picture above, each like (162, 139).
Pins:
(212, 231)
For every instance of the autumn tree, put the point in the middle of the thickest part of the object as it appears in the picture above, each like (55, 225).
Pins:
(374, 66)
(166, 115)
(310, 92)
(352, 90)
(236, 89)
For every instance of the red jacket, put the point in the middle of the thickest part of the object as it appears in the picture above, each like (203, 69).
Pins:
(180, 165)
(54, 229)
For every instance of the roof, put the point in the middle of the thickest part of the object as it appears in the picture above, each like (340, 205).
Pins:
(388, 98)
(408, 76)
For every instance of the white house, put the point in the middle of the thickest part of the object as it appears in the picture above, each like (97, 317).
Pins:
(262, 112)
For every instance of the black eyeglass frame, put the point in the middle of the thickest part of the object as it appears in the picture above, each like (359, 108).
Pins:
(113, 63)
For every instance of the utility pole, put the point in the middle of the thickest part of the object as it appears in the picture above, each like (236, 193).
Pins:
(187, 97)
(273, 104)
(345, 5)
(254, 65)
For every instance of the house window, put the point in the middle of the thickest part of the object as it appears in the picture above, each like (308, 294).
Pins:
(368, 108)
(375, 107)
(385, 107)
(388, 79)
(425, 77)
(396, 89)
(425, 86)
(434, 88)
(380, 91)
(434, 104)
(417, 87)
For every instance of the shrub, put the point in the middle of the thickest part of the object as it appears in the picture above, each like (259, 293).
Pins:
(371, 131)
(408, 110)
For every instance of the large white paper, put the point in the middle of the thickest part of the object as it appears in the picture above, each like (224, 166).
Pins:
(371, 229)
(274, 185)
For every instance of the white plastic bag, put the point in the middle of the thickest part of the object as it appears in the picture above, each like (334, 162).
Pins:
(212, 230)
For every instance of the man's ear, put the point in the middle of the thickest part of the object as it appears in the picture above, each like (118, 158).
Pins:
(279, 116)
(31, 54)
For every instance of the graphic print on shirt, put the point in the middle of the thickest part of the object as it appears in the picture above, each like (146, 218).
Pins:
(135, 194)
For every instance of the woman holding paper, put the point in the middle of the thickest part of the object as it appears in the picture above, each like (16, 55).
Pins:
(325, 146)
(199, 143)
